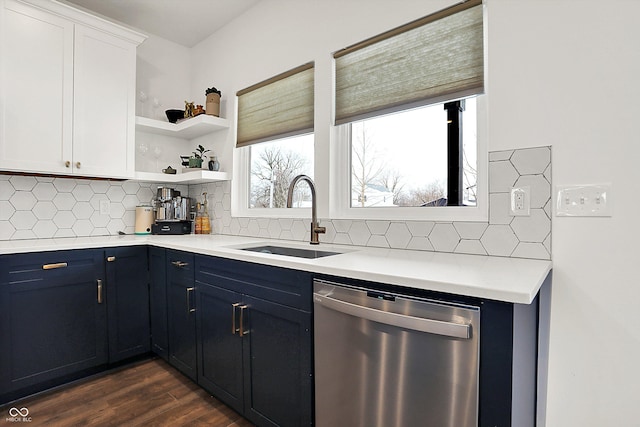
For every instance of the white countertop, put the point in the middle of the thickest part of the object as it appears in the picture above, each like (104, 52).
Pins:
(504, 279)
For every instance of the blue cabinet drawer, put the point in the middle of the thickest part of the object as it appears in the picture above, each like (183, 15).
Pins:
(275, 284)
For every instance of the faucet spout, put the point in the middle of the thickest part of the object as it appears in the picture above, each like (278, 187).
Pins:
(315, 226)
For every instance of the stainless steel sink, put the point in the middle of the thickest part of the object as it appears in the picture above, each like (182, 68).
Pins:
(287, 251)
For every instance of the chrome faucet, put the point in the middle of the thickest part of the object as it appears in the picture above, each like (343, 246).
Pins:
(315, 227)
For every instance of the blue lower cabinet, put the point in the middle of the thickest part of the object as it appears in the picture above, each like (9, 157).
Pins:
(277, 364)
(220, 365)
(181, 313)
(53, 319)
(158, 302)
(254, 353)
(127, 289)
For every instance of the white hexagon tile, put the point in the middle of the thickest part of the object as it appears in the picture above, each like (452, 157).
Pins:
(44, 207)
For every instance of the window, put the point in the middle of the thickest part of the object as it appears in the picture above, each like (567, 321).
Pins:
(275, 140)
(406, 105)
(274, 164)
(404, 159)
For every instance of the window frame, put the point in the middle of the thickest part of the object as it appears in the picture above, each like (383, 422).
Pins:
(340, 203)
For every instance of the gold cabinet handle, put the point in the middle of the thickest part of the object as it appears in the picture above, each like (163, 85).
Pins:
(99, 291)
(190, 309)
(111, 258)
(234, 329)
(54, 266)
(67, 164)
(77, 165)
(180, 263)
(242, 332)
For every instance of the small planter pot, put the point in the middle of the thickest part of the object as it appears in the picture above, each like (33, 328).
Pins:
(195, 163)
(212, 104)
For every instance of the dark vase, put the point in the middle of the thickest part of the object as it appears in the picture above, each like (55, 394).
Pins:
(214, 165)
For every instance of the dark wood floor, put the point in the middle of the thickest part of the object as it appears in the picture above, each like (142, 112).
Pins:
(149, 393)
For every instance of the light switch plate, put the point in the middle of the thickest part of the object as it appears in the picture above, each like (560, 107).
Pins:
(584, 200)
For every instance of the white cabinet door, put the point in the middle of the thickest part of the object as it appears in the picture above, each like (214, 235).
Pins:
(104, 105)
(36, 89)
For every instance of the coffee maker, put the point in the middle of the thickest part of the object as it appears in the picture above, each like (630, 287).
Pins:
(173, 212)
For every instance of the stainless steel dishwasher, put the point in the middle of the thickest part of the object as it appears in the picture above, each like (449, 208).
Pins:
(390, 360)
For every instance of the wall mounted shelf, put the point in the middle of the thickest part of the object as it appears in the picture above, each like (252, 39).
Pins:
(186, 129)
(196, 177)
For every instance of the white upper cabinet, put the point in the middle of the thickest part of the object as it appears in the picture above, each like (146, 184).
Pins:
(37, 90)
(67, 91)
(104, 104)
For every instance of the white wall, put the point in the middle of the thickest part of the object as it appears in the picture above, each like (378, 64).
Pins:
(163, 72)
(561, 73)
(565, 73)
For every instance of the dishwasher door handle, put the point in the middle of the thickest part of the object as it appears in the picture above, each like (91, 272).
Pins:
(431, 326)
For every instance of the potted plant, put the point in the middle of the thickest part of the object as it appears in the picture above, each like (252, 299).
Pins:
(195, 161)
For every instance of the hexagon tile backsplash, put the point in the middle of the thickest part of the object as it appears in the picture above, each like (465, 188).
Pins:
(502, 235)
(42, 207)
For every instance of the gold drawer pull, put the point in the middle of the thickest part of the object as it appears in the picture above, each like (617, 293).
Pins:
(54, 266)
(99, 291)
(111, 258)
(242, 330)
(234, 329)
(190, 309)
(179, 263)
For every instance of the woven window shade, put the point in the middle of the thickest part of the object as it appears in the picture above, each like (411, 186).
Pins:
(434, 59)
(276, 108)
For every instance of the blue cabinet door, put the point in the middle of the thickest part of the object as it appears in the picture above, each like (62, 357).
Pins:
(158, 301)
(127, 302)
(181, 313)
(277, 365)
(53, 318)
(271, 356)
(220, 368)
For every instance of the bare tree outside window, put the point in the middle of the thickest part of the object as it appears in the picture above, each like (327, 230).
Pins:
(366, 163)
(401, 159)
(428, 195)
(273, 167)
(470, 179)
(392, 180)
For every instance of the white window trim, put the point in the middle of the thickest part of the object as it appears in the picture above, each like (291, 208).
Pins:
(340, 188)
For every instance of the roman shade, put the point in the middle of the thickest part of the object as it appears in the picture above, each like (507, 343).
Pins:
(276, 108)
(437, 58)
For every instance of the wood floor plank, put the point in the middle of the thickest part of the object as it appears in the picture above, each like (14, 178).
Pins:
(150, 393)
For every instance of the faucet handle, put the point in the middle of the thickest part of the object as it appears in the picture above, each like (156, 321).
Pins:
(315, 230)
